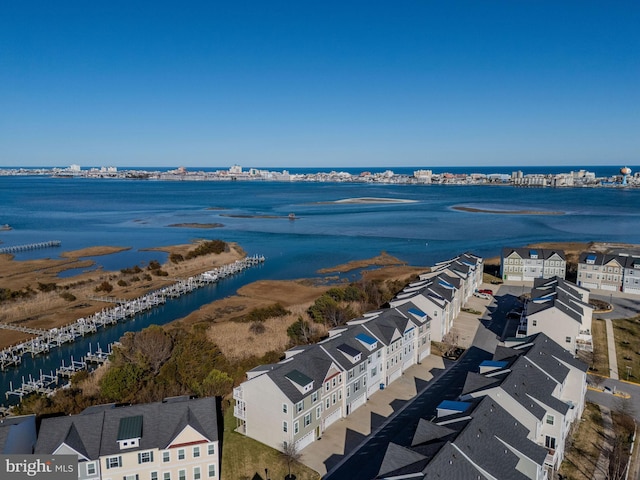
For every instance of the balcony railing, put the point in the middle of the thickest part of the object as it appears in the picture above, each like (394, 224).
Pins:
(237, 393)
(584, 342)
(239, 411)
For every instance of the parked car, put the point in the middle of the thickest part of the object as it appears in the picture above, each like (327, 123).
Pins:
(482, 295)
(488, 291)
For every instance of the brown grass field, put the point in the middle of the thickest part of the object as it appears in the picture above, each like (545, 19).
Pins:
(46, 310)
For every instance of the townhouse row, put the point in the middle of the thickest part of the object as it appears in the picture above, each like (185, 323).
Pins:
(612, 272)
(526, 264)
(176, 439)
(511, 421)
(298, 398)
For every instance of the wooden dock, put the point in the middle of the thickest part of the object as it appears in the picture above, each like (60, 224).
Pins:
(30, 246)
(45, 340)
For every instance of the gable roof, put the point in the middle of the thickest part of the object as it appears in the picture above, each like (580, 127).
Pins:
(531, 253)
(94, 433)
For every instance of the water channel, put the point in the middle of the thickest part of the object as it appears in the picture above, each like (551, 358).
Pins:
(173, 309)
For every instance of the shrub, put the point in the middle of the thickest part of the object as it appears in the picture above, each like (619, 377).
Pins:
(135, 269)
(47, 287)
(257, 328)
(154, 265)
(176, 258)
(68, 296)
(104, 287)
(122, 283)
(205, 248)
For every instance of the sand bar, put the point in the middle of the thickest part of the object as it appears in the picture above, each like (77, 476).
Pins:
(367, 200)
(506, 212)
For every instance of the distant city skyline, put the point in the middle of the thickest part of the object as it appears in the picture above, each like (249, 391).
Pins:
(331, 84)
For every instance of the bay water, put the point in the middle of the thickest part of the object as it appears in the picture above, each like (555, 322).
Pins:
(141, 214)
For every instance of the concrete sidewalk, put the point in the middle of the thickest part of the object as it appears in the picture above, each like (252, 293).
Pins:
(346, 434)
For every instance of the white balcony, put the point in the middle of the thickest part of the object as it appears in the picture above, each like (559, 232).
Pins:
(237, 393)
(584, 342)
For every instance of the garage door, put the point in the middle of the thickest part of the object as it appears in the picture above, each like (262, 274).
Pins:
(334, 416)
(306, 440)
(514, 278)
(395, 375)
(358, 402)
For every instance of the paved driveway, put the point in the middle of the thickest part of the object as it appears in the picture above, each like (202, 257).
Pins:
(346, 434)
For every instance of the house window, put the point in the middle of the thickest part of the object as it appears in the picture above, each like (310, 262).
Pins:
(166, 457)
(296, 428)
(534, 323)
(326, 386)
(284, 408)
(91, 468)
(114, 462)
(549, 442)
(339, 394)
(567, 339)
(299, 406)
(182, 475)
(550, 419)
(307, 420)
(145, 457)
(314, 397)
(363, 367)
(333, 382)
(212, 471)
(348, 391)
(154, 475)
(285, 427)
(333, 398)
(181, 454)
(328, 403)
(130, 477)
(374, 371)
(318, 412)
(196, 452)
(350, 374)
(166, 476)
(196, 473)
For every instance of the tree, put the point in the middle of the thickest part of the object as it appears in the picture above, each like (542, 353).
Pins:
(120, 383)
(290, 455)
(149, 348)
(216, 384)
(301, 332)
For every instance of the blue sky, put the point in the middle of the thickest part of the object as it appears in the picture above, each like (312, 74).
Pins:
(349, 83)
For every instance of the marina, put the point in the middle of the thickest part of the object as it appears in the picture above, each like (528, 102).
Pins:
(46, 341)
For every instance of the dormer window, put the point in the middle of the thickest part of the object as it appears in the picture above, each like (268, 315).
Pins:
(303, 383)
(130, 432)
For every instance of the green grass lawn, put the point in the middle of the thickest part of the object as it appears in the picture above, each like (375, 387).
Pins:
(583, 451)
(246, 459)
(626, 332)
(600, 363)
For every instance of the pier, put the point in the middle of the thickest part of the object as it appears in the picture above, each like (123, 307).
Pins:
(30, 246)
(47, 384)
(45, 340)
